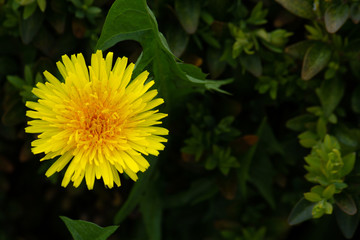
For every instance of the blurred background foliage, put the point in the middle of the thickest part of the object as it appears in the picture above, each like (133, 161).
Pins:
(264, 146)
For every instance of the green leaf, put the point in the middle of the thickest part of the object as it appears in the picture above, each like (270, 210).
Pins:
(188, 13)
(42, 5)
(151, 209)
(133, 20)
(262, 178)
(308, 139)
(28, 76)
(198, 191)
(215, 65)
(316, 58)
(252, 63)
(335, 16)
(298, 123)
(83, 230)
(243, 173)
(177, 39)
(321, 127)
(301, 8)
(301, 212)
(312, 197)
(330, 94)
(29, 10)
(195, 75)
(329, 191)
(16, 82)
(347, 223)
(298, 50)
(137, 192)
(30, 27)
(346, 203)
(349, 162)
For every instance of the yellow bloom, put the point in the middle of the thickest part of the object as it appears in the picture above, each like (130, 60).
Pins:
(97, 120)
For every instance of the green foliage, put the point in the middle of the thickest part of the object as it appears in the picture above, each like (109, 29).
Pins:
(83, 230)
(233, 167)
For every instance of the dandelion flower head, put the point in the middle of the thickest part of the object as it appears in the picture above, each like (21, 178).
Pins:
(97, 122)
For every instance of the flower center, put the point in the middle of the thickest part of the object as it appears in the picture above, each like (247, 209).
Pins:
(96, 123)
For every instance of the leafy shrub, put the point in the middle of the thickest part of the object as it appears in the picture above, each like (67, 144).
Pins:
(265, 141)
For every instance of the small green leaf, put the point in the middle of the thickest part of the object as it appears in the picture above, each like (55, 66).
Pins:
(316, 58)
(83, 230)
(188, 13)
(330, 94)
(312, 197)
(328, 208)
(29, 10)
(301, 212)
(349, 162)
(298, 50)
(335, 16)
(321, 127)
(329, 191)
(347, 223)
(346, 203)
(298, 123)
(30, 27)
(301, 8)
(308, 139)
(42, 5)
(16, 82)
(29, 79)
(252, 63)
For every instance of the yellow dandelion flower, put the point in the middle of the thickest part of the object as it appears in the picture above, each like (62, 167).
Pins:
(97, 121)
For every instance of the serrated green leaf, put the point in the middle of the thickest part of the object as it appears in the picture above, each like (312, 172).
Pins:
(139, 23)
(301, 212)
(301, 8)
(335, 16)
(316, 58)
(195, 75)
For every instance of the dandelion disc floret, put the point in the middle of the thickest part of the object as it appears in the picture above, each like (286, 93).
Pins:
(97, 122)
